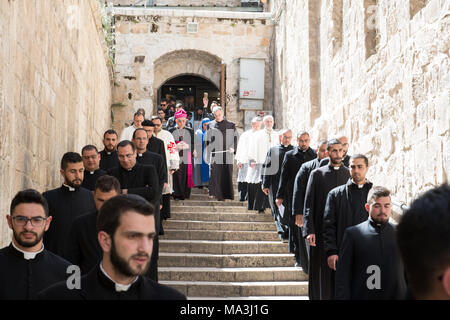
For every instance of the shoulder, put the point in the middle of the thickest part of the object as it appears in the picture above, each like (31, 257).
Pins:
(55, 259)
(52, 192)
(162, 292)
(59, 291)
(80, 221)
(337, 191)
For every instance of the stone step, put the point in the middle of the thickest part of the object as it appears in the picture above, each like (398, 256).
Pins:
(205, 191)
(222, 247)
(219, 235)
(227, 216)
(239, 289)
(216, 225)
(206, 198)
(214, 208)
(231, 274)
(208, 203)
(225, 261)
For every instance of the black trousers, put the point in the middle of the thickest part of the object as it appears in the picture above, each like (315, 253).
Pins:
(242, 191)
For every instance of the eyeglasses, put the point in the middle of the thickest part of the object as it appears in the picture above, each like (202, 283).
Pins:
(35, 221)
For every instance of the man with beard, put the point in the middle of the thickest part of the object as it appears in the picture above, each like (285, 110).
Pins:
(140, 179)
(345, 207)
(27, 267)
(369, 265)
(271, 179)
(108, 156)
(345, 157)
(320, 182)
(126, 229)
(67, 202)
(91, 163)
(83, 248)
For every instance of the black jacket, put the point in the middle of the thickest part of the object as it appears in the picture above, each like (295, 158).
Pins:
(272, 167)
(156, 145)
(109, 160)
(90, 178)
(366, 247)
(157, 161)
(339, 214)
(96, 286)
(300, 183)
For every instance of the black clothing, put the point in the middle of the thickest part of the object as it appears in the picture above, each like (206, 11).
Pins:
(256, 198)
(221, 163)
(181, 185)
(97, 286)
(320, 182)
(90, 177)
(83, 248)
(22, 279)
(242, 191)
(157, 161)
(109, 160)
(64, 206)
(326, 161)
(156, 145)
(366, 245)
(300, 183)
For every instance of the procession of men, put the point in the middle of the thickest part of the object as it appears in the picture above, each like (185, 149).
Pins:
(106, 218)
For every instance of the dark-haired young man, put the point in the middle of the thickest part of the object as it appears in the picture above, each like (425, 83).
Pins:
(154, 144)
(91, 163)
(27, 267)
(83, 248)
(369, 265)
(126, 229)
(423, 237)
(108, 156)
(67, 202)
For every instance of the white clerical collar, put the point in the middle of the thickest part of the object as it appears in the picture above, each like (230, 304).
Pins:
(28, 255)
(359, 185)
(108, 153)
(69, 187)
(119, 287)
(91, 172)
(139, 154)
(336, 168)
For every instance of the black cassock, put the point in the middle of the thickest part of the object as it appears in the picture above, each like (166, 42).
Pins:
(220, 137)
(344, 208)
(83, 248)
(158, 162)
(271, 178)
(181, 189)
(369, 250)
(64, 207)
(22, 279)
(320, 182)
(109, 160)
(143, 180)
(97, 286)
(156, 145)
(90, 178)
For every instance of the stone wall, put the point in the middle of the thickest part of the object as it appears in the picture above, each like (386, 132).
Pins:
(194, 3)
(384, 81)
(54, 91)
(153, 45)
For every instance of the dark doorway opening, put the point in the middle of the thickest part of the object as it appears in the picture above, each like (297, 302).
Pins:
(189, 89)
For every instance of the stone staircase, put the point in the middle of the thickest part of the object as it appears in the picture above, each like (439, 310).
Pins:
(219, 250)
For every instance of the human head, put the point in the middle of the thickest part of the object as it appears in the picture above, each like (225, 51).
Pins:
(379, 204)
(303, 140)
(161, 113)
(28, 234)
(218, 113)
(140, 140)
(91, 157)
(137, 120)
(105, 188)
(213, 104)
(163, 104)
(321, 149)
(423, 237)
(180, 118)
(157, 121)
(72, 169)
(126, 229)
(268, 122)
(126, 152)
(345, 145)
(110, 139)
(359, 165)
(334, 151)
(179, 106)
(141, 111)
(205, 123)
(256, 123)
(286, 137)
(149, 127)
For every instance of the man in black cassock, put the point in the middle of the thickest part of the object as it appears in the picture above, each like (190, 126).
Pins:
(298, 198)
(108, 156)
(291, 164)
(140, 179)
(271, 178)
(345, 207)
(221, 144)
(320, 182)
(91, 163)
(345, 158)
(369, 265)
(184, 139)
(27, 267)
(67, 203)
(126, 228)
(83, 248)
(154, 144)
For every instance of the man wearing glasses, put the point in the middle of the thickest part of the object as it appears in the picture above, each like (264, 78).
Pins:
(27, 267)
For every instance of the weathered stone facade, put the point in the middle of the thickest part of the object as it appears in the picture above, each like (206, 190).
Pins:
(54, 91)
(377, 71)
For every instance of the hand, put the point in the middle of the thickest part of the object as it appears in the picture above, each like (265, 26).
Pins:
(266, 191)
(171, 171)
(165, 185)
(299, 220)
(194, 154)
(205, 102)
(332, 261)
(232, 150)
(160, 206)
(253, 165)
(239, 165)
(278, 202)
(311, 238)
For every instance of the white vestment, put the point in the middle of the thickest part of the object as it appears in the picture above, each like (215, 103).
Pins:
(172, 157)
